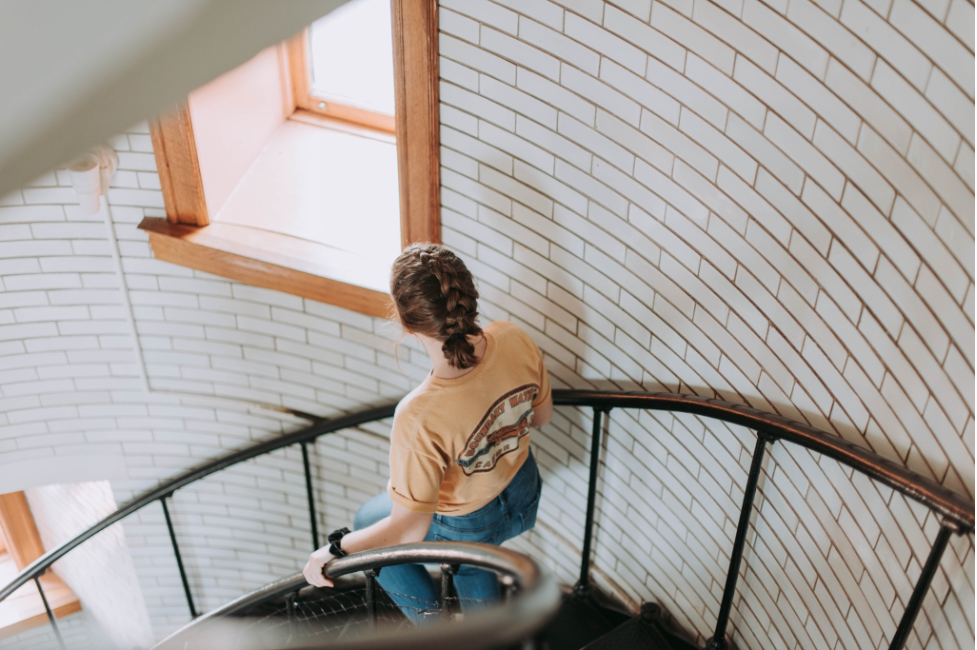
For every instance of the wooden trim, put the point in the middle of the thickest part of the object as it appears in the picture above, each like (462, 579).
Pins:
(19, 529)
(179, 170)
(415, 46)
(263, 259)
(285, 72)
(297, 48)
(24, 610)
(378, 121)
(316, 119)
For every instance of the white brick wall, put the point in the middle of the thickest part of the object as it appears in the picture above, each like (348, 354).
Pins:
(76, 632)
(210, 349)
(100, 572)
(737, 223)
(767, 202)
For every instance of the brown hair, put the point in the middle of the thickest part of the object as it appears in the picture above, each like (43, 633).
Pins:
(434, 294)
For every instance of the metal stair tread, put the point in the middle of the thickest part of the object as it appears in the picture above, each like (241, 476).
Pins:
(577, 623)
(632, 635)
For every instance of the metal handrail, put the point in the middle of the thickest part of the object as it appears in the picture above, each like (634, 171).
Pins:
(926, 491)
(41, 564)
(956, 511)
(513, 620)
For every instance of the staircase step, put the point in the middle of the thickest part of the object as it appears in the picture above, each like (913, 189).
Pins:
(633, 635)
(646, 631)
(577, 623)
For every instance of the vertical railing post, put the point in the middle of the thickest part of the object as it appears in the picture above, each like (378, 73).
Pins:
(310, 494)
(508, 585)
(448, 572)
(290, 601)
(50, 614)
(582, 588)
(509, 591)
(371, 597)
(718, 640)
(922, 586)
(179, 559)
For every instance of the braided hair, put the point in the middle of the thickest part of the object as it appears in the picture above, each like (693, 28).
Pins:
(434, 294)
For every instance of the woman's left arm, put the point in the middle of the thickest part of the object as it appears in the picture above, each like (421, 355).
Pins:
(403, 526)
(543, 414)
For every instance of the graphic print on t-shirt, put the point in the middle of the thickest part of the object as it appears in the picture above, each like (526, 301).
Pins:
(499, 432)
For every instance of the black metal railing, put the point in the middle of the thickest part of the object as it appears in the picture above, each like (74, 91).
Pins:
(161, 493)
(536, 598)
(718, 639)
(957, 512)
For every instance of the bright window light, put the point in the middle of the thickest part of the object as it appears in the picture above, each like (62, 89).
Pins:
(352, 56)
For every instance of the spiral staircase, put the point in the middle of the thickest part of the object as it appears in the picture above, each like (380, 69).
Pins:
(534, 612)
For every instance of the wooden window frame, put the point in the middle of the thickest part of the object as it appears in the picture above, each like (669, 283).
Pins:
(188, 238)
(19, 530)
(299, 67)
(24, 610)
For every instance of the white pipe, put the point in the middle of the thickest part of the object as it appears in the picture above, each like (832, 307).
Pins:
(106, 213)
(87, 182)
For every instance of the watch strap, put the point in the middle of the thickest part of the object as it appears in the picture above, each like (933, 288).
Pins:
(335, 540)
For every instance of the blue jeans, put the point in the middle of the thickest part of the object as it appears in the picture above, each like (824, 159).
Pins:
(411, 587)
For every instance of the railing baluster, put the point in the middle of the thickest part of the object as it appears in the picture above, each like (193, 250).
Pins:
(508, 585)
(371, 597)
(50, 614)
(922, 586)
(290, 601)
(718, 640)
(309, 493)
(582, 589)
(509, 593)
(448, 572)
(179, 559)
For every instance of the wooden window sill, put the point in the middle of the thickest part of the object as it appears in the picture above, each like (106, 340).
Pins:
(315, 215)
(270, 260)
(24, 610)
(329, 186)
(326, 242)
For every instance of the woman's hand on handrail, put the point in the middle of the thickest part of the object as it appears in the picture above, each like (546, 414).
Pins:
(403, 526)
(313, 568)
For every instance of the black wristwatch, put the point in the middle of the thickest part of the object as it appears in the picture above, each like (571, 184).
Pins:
(334, 539)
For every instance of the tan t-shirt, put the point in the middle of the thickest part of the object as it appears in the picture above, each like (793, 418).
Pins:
(456, 443)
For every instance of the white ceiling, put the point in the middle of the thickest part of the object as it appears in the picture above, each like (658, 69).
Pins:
(74, 73)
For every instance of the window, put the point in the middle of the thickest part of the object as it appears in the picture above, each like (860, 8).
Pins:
(345, 65)
(293, 171)
(20, 544)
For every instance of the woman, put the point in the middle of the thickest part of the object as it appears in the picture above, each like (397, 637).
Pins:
(460, 464)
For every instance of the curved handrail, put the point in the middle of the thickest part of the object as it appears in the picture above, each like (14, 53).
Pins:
(939, 498)
(512, 621)
(953, 507)
(41, 564)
